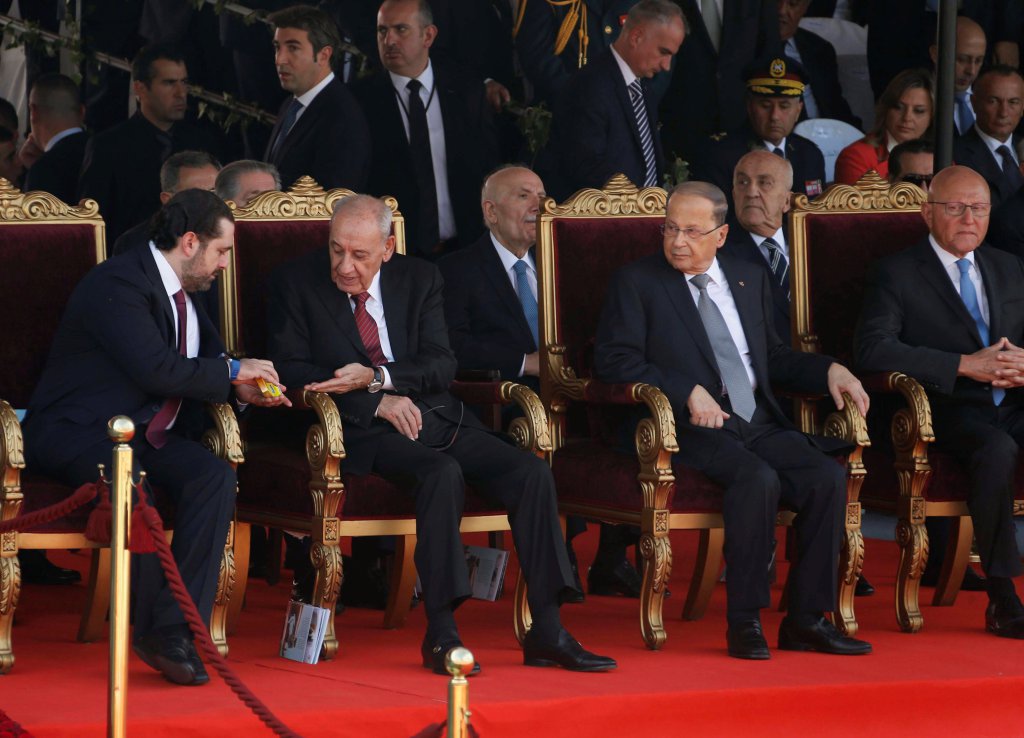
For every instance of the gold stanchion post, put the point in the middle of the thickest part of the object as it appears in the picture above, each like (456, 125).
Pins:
(121, 430)
(459, 663)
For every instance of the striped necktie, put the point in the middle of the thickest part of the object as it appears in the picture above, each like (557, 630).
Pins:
(777, 262)
(636, 96)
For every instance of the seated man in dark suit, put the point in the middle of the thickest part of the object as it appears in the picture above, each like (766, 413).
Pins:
(240, 181)
(606, 122)
(823, 96)
(56, 112)
(947, 311)
(367, 325)
(774, 102)
(988, 148)
(1006, 229)
(913, 162)
(121, 167)
(321, 131)
(10, 164)
(132, 342)
(700, 327)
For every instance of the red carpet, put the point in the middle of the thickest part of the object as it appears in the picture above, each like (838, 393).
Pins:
(949, 680)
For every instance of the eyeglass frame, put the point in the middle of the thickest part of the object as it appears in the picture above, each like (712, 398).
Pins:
(946, 203)
(918, 179)
(693, 235)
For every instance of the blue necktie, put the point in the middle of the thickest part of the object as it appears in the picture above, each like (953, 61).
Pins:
(526, 299)
(970, 298)
(964, 112)
(286, 125)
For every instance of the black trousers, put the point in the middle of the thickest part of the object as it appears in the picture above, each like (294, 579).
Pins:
(437, 467)
(760, 465)
(985, 438)
(202, 488)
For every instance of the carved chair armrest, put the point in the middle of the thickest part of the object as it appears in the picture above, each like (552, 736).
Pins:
(12, 456)
(325, 441)
(532, 431)
(621, 393)
(224, 439)
(478, 375)
(479, 391)
(911, 425)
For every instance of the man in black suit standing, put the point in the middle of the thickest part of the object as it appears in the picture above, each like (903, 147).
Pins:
(775, 89)
(699, 327)
(988, 148)
(606, 121)
(132, 342)
(367, 325)
(122, 164)
(947, 311)
(823, 96)
(56, 112)
(433, 135)
(321, 131)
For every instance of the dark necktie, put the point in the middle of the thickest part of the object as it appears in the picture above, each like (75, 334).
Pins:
(423, 165)
(778, 151)
(1011, 172)
(964, 112)
(156, 432)
(286, 126)
(526, 298)
(636, 96)
(727, 356)
(777, 262)
(970, 297)
(368, 330)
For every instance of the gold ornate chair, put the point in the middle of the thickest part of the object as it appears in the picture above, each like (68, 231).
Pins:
(294, 477)
(581, 243)
(50, 246)
(834, 239)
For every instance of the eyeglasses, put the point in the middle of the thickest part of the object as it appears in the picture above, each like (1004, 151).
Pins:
(956, 209)
(691, 234)
(923, 181)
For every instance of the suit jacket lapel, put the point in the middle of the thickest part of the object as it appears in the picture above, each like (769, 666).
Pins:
(678, 291)
(394, 291)
(336, 303)
(748, 305)
(936, 276)
(494, 269)
(622, 93)
(994, 290)
(153, 274)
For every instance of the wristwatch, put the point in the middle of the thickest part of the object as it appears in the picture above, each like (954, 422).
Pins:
(377, 382)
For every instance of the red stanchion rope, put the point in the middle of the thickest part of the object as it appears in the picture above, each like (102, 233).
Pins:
(199, 630)
(82, 495)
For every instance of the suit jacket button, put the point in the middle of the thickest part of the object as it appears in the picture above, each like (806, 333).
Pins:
(155, 408)
(608, 30)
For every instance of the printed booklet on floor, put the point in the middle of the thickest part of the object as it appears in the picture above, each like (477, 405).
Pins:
(304, 629)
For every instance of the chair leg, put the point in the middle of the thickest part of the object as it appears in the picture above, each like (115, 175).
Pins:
(97, 604)
(10, 588)
(657, 552)
(522, 621)
(403, 580)
(912, 538)
(243, 540)
(705, 573)
(954, 564)
(326, 558)
(851, 563)
(225, 588)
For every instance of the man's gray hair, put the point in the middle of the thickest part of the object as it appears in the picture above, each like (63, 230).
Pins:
(365, 206)
(170, 172)
(228, 177)
(707, 191)
(653, 11)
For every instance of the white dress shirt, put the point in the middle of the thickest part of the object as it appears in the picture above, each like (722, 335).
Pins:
(627, 72)
(779, 238)
(995, 143)
(770, 147)
(438, 149)
(172, 285)
(721, 295)
(58, 137)
(949, 264)
(309, 95)
(810, 104)
(375, 309)
(509, 261)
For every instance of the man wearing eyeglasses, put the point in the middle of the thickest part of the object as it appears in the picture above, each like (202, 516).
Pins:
(947, 311)
(697, 323)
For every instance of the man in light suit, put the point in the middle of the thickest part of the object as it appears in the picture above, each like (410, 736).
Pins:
(947, 311)
(133, 342)
(367, 325)
(698, 325)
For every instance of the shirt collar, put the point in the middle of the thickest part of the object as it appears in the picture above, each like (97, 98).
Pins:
(167, 274)
(948, 260)
(714, 272)
(779, 237)
(373, 289)
(994, 143)
(508, 259)
(61, 136)
(627, 73)
(426, 78)
(309, 95)
(769, 146)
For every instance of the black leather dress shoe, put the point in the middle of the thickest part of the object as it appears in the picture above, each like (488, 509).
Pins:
(864, 588)
(621, 579)
(434, 656)
(746, 641)
(173, 656)
(1005, 619)
(822, 636)
(565, 651)
(37, 569)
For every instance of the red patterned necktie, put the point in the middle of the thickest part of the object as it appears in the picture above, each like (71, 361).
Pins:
(156, 432)
(368, 330)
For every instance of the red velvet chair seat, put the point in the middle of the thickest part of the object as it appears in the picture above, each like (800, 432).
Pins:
(948, 482)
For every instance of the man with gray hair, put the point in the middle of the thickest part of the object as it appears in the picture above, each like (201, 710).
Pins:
(716, 366)
(54, 150)
(240, 181)
(366, 325)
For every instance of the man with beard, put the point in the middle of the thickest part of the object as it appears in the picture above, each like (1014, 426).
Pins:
(133, 342)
